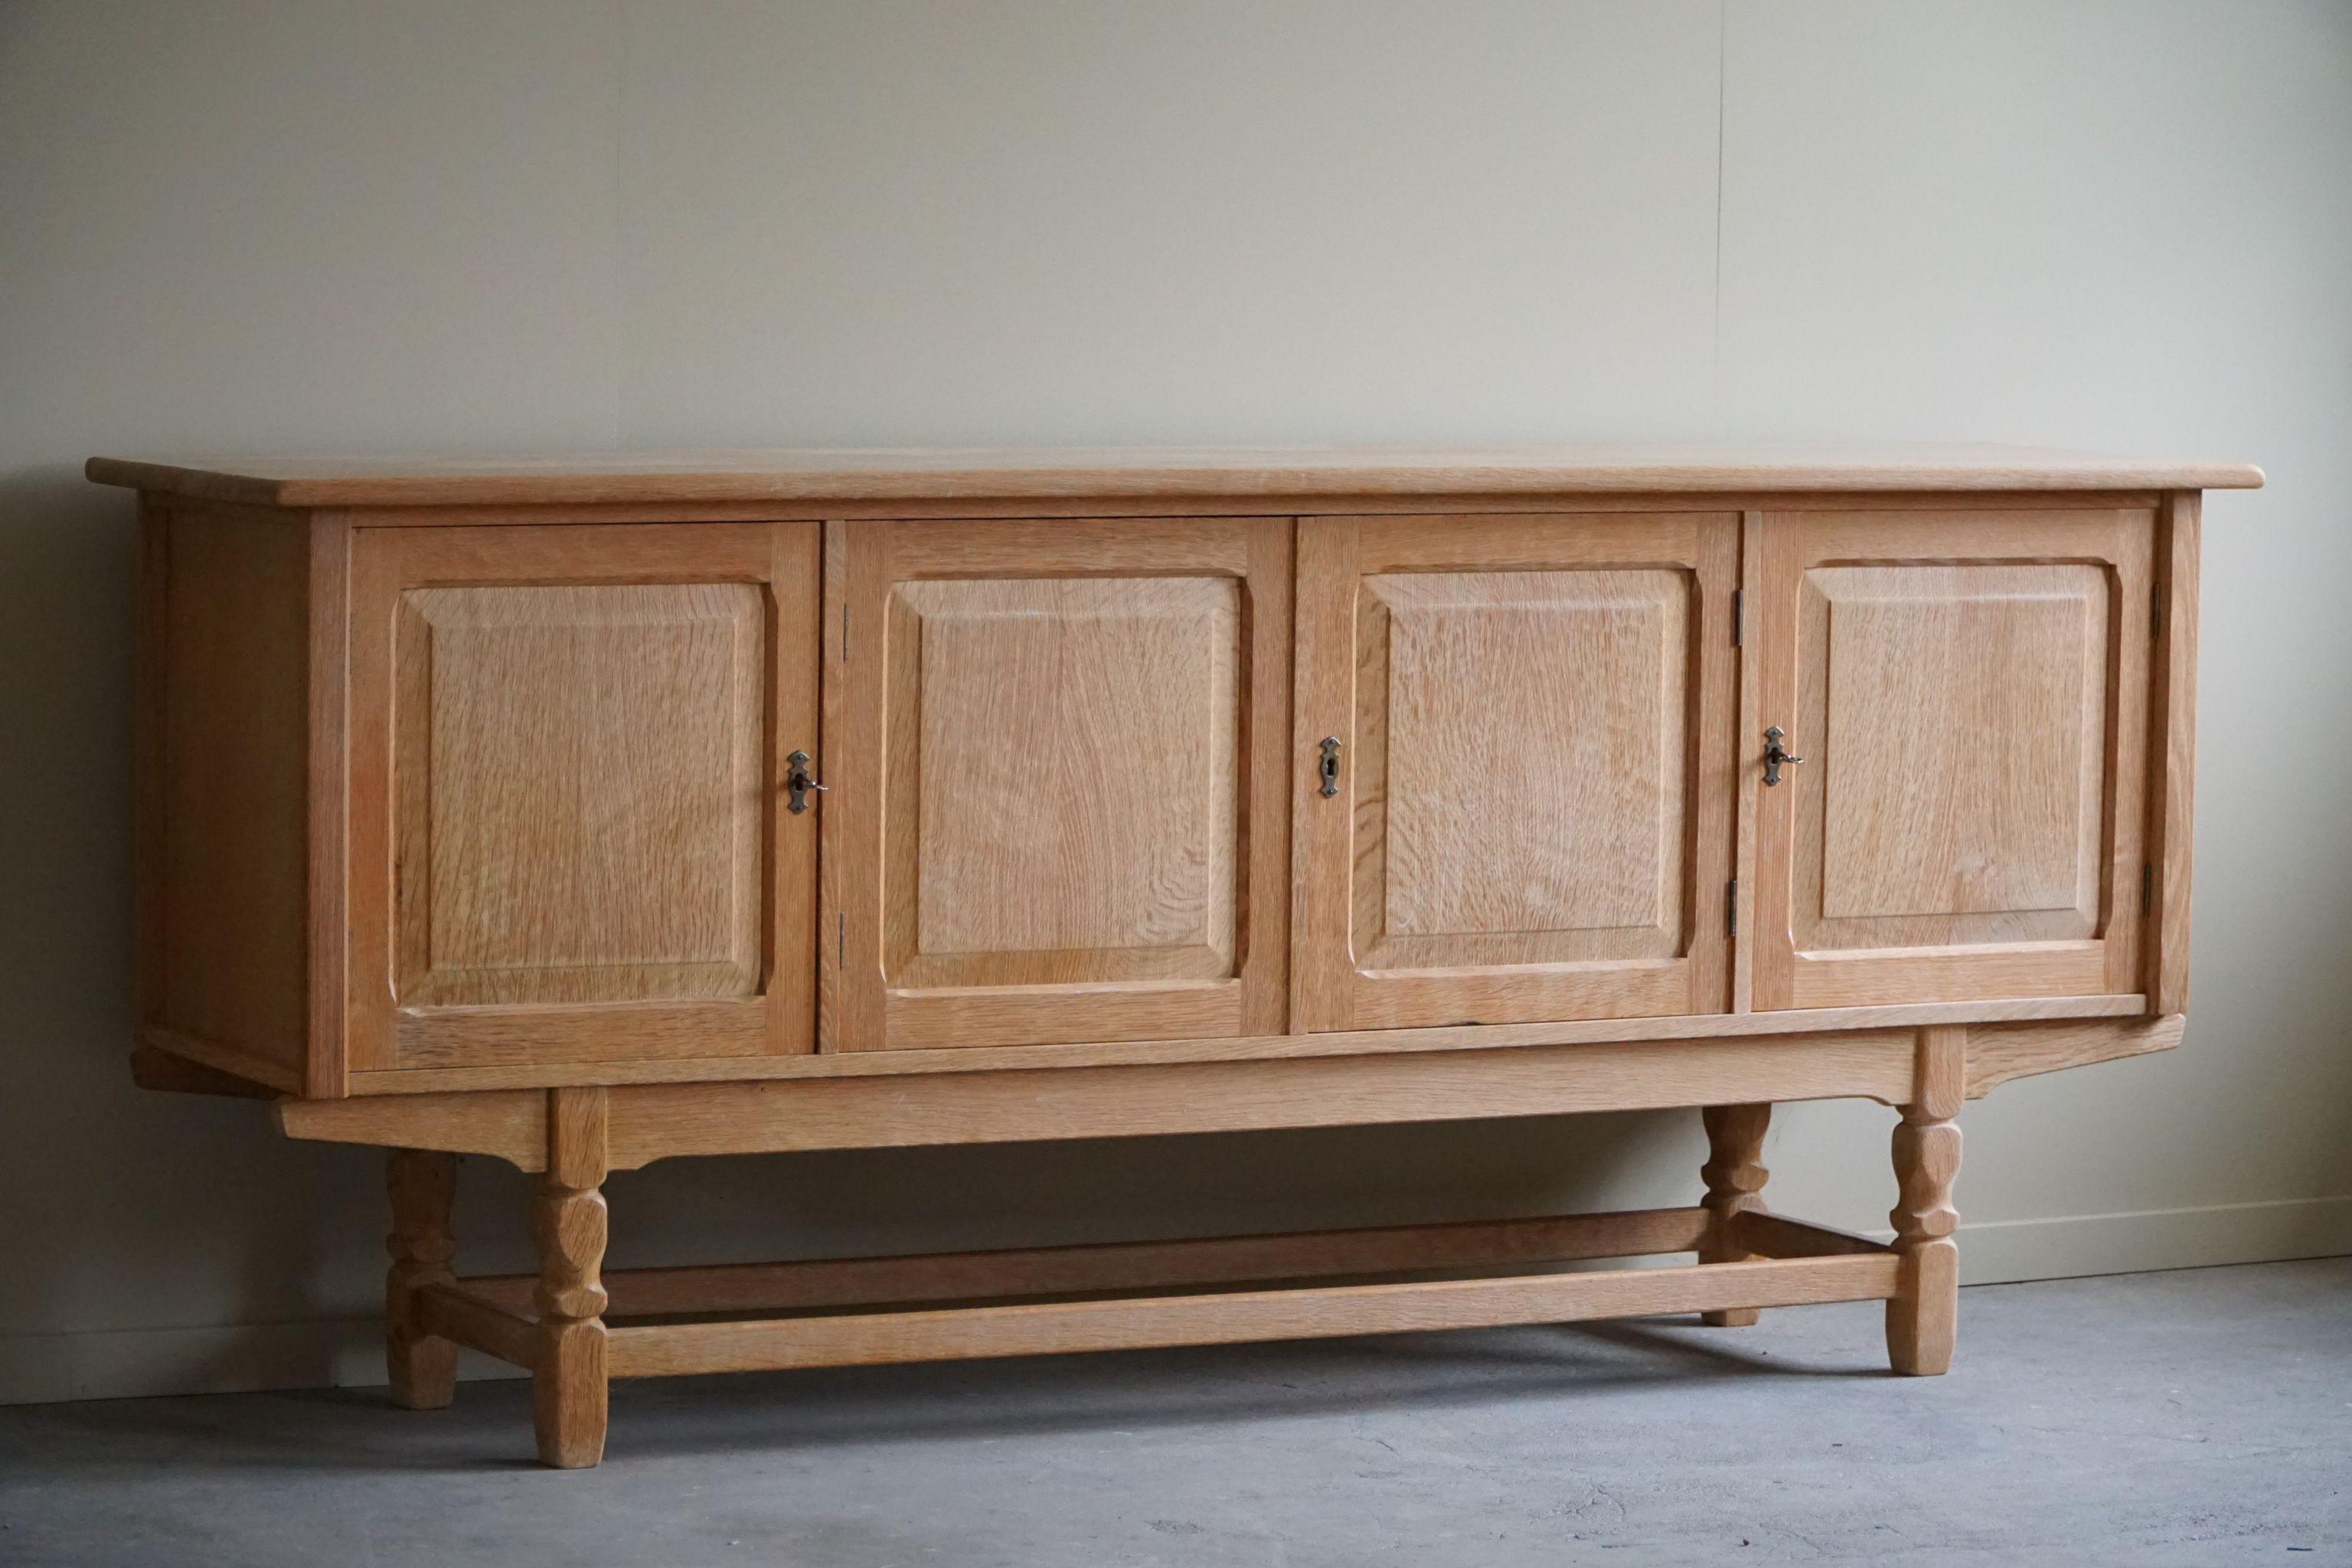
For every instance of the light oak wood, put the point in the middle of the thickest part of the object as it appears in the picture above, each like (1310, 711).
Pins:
(666, 1069)
(462, 821)
(509, 1124)
(656, 1121)
(568, 840)
(1970, 695)
(584, 820)
(1735, 1177)
(651, 1122)
(1326, 1311)
(740, 1116)
(326, 967)
(506, 1317)
(1998, 1053)
(1746, 913)
(1261, 503)
(569, 1221)
(962, 474)
(221, 906)
(1048, 723)
(1124, 1266)
(455, 1313)
(2172, 773)
(423, 1365)
(1057, 807)
(1921, 1316)
(1532, 820)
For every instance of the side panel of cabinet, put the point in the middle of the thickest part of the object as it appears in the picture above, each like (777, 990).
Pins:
(1056, 806)
(568, 841)
(1530, 720)
(220, 899)
(1970, 695)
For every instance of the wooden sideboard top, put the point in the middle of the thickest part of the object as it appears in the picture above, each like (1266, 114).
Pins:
(881, 473)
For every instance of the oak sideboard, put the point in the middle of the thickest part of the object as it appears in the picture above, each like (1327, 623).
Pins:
(586, 812)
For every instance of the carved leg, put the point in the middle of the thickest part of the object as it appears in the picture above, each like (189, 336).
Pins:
(1734, 1177)
(568, 1386)
(1924, 1314)
(424, 1368)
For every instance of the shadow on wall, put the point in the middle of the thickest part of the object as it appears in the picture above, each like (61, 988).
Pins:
(128, 1211)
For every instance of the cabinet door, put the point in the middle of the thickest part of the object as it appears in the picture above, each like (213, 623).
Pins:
(568, 838)
(1530, 720)
(1057, 804)
(1968, 691)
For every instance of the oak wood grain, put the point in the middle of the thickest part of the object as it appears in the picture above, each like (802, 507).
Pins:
(662, 1062)
(1923, 1313)
(1735, 1177)
(538, 895)
(423, 1365)
(1292, 504)
(1969, 694)
(964, 473)
(1066, 761)
(565, 801)
(569, 1221)
(654, 1120)
(2172, 773)
(1063, 748)
(1224, 1317)
(580, 791)
(327, 958)
(1123, 1266)
(732, 1113)
(510, 1123)
(1998, 1053)
(223, 913)
(455, 1313)
(1535, 716)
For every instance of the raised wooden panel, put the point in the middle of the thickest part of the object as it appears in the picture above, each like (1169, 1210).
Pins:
(1534, 716)
(1063, 780)
(1959, 783)
(1523, 766)
(1058, 810)
(569, 841)
(580, 791)
(1970, 697)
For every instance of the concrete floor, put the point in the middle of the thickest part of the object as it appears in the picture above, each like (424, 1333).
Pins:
(2196, 1417)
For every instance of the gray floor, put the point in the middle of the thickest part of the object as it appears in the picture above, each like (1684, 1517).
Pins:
(2195, 1417)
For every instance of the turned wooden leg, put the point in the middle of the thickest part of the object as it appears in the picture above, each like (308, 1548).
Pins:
(1924, 1314)
(568, 1386)
(1734, 1174)
(424, 1367)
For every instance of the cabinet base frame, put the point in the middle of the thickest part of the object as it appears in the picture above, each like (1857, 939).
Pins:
(576, 1327)
(747, 1116)
(1791, 1263)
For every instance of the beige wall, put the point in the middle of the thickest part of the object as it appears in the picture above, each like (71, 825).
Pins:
(361, 227)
